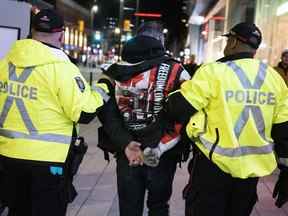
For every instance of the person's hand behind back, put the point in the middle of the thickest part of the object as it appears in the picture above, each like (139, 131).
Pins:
(134, 153)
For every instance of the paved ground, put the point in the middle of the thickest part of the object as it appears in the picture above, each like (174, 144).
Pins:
(96, 183)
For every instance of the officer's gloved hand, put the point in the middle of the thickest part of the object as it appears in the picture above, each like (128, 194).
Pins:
(281, 189)
(151, 156)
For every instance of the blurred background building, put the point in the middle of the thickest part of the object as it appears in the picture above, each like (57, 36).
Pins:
(95, 30)
(210, 19)
(77, 20)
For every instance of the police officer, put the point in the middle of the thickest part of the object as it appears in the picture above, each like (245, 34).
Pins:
(239, 110)
(43, 95)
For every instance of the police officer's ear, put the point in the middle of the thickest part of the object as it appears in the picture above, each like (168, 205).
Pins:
(231, 46)
(234, 42)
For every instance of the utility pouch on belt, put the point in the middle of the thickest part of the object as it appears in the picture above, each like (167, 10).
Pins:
(79, 149)
(197, 125)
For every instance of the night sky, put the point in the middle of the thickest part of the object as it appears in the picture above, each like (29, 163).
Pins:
(171, 11)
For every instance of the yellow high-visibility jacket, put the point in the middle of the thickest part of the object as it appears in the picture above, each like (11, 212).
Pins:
(238, 102)
(41, 95)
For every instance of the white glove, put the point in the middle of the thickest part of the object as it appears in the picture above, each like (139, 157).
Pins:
(151, 156)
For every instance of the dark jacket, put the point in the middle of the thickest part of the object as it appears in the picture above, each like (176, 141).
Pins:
(283, 71)
(141, 54)
(191, 68)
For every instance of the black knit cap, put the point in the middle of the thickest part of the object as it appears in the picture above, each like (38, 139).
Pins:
(48, 20)
(248, 33)
(152, 29)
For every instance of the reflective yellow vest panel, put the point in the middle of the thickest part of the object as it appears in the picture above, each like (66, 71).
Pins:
(41, 95)
(238, 103)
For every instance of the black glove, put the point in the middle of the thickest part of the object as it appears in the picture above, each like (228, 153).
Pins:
(281, 189)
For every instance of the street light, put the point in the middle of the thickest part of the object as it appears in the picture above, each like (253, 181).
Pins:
(121, 15)
(117, 30)
(94, 9)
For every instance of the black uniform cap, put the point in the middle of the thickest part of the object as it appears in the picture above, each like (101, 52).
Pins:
(48, 20)
(248, 33)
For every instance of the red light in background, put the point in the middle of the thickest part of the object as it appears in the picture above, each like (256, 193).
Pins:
(156, 15)
(218, 18)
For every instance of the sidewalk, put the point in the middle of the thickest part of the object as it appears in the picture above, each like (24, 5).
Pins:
(96, 184)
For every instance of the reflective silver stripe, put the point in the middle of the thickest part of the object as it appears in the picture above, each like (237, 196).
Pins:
(23, 76)
(103, 94)
(260, 76)
(259, 80)
(239, 151)
(240, 74)
(259, 120)
(12, 72)
(20, 104)
(25, 116)
(255, 110)
(243, 119)
(283, 161)
(6, 107)
(42, 137)
(241, 122)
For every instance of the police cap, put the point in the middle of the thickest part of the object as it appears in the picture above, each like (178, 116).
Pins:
(248, 33)
(48, 20)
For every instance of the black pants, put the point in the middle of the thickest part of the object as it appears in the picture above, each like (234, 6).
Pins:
(32, 190)
(213, 192)
(134, 181)
(2, 205)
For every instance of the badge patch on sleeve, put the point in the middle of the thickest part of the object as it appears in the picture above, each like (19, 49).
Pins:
(80, 83)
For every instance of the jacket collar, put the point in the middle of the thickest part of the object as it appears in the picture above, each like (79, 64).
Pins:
(73, 60)
(49, 45)
(236, 57)
(124, 71)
